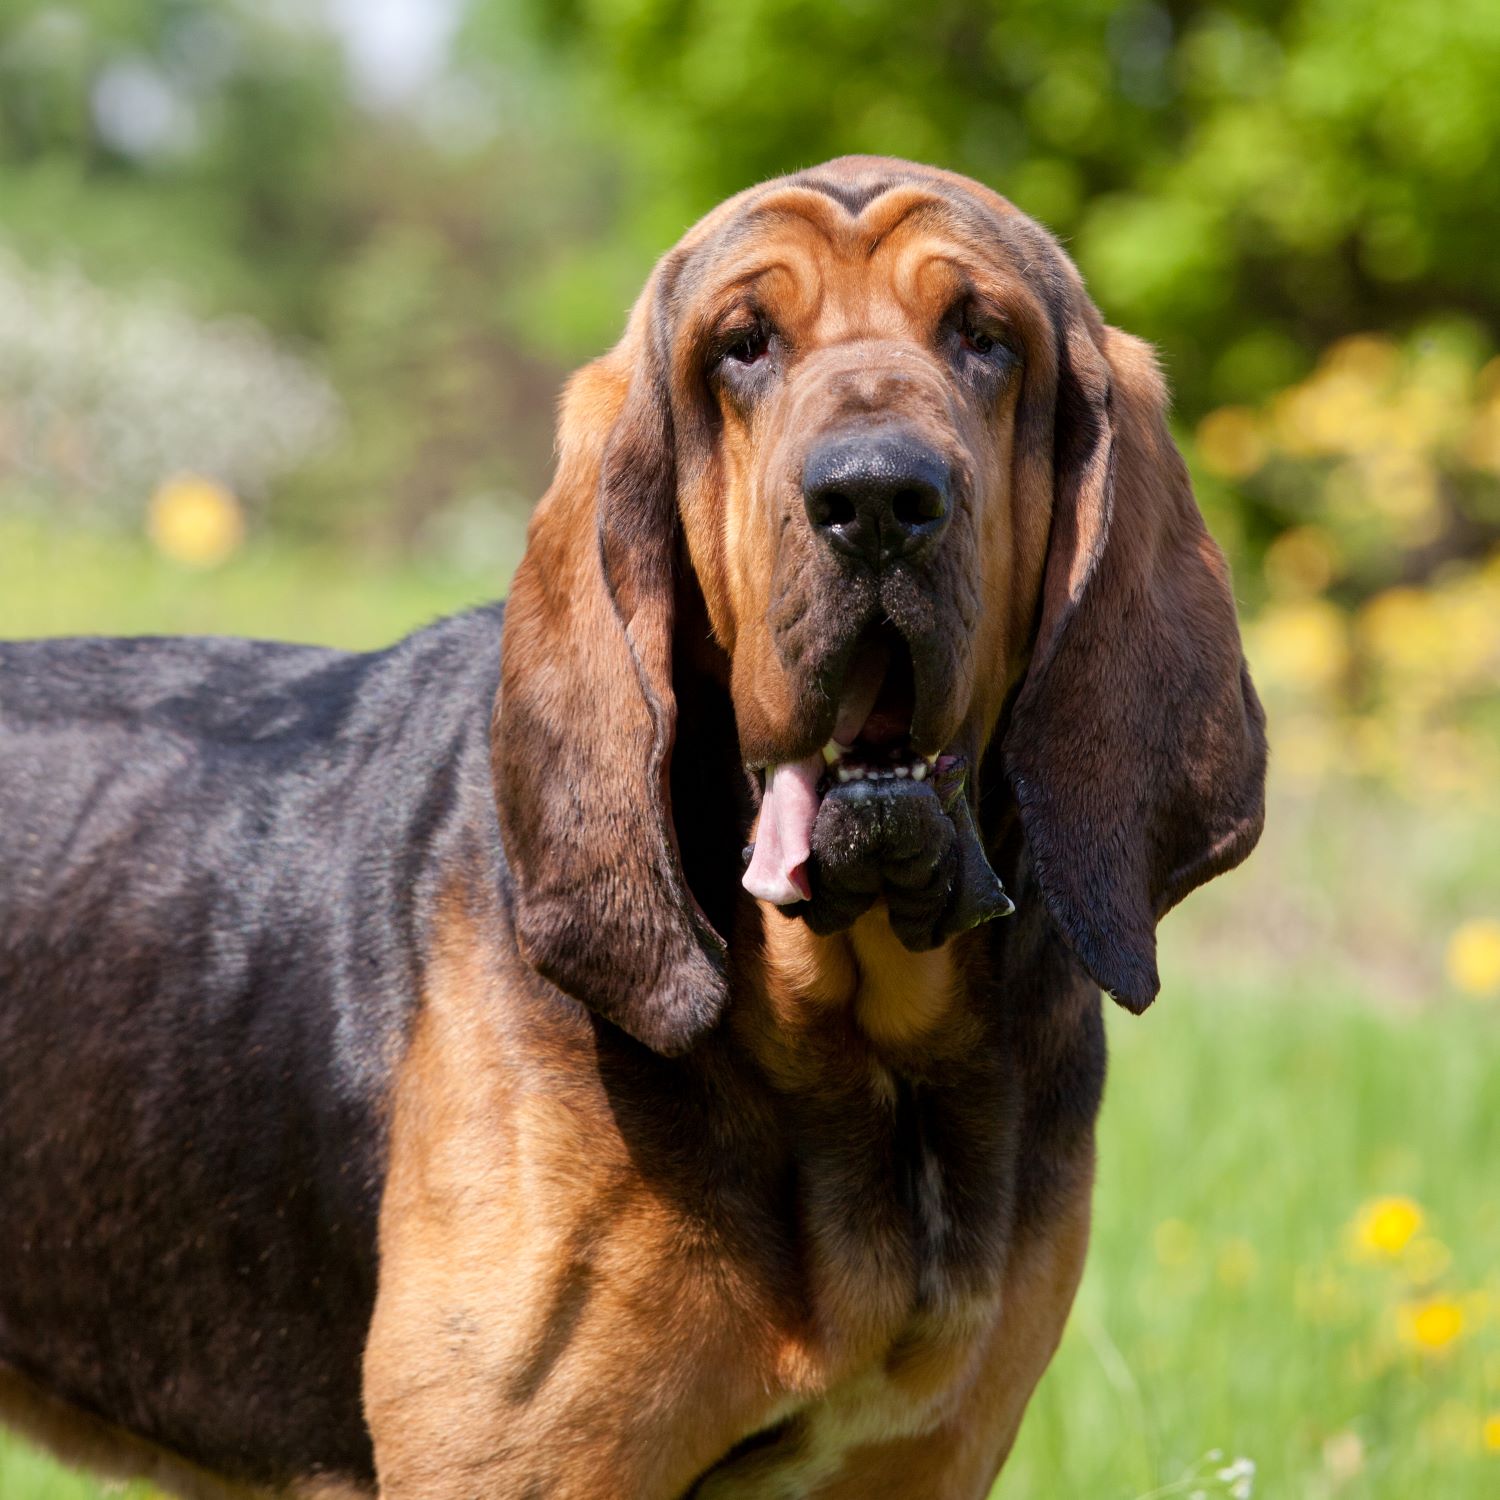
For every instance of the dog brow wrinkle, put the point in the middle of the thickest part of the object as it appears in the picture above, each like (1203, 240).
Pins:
(853, 197)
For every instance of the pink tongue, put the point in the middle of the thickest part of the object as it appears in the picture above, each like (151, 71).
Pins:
(783, 837)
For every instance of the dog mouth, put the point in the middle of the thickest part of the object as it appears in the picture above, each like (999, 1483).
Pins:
(871, 742)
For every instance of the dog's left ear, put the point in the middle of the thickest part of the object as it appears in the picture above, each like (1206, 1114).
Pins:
(586, 716)
(1136, 744)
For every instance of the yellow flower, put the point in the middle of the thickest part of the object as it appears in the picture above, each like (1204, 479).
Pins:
(1386, 1226)
(1491, 1432)
(1432, 1326)
(1473, 958)
(195, 520)
(1230, 442)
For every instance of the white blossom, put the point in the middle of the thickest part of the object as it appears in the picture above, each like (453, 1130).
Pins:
(103, 393)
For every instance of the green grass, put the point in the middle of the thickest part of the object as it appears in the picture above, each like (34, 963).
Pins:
(1305, 1056)
(26, 1474)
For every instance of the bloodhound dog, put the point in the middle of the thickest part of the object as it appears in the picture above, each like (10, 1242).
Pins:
(643, 1041)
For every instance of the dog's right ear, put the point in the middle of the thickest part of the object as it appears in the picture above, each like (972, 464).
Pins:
(585, 718)
(1136, 747)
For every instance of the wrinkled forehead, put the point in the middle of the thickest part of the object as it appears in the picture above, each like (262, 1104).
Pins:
(872, 252)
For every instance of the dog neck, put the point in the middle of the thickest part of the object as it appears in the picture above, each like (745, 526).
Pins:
(813, 1009)
(894, 997)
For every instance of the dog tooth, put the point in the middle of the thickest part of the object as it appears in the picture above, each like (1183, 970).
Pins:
(903, 771)
(832, 752)
(845, 773)
(857, 773)
(919, 771)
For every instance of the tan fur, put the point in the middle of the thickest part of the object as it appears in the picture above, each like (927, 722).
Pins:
(959, 1457)
(896, 998)
(526, 1263)
(937, 1420)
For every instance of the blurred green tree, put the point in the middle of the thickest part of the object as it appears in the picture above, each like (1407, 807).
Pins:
(190, 142)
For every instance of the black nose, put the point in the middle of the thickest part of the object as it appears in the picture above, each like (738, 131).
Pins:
(877, 496)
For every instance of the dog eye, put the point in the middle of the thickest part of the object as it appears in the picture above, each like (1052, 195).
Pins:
(978, 335)
(979, 341)
(747, 345)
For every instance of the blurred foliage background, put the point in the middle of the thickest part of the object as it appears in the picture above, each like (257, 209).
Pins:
(287, 290)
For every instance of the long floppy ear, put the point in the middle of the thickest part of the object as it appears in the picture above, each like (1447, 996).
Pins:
(584, 722)
(1136, 746)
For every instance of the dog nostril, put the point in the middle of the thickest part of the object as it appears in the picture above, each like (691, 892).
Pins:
(912, 508)
(834, 508)
(877, 496)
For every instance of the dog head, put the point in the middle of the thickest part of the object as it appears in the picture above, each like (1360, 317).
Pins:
(924, 503)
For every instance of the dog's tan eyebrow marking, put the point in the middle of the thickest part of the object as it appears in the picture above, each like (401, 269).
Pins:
(917, 204)
(742, 280)
(920, 208)
(744, 285)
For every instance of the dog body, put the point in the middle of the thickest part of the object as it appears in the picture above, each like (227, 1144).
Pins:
(305, 998)
(404, 1084)
(206, 845)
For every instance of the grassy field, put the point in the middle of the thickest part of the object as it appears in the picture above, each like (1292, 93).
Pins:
(1296, 1257)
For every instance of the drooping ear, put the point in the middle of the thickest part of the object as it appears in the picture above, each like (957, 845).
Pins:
(1136, 745)
(585, 718)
